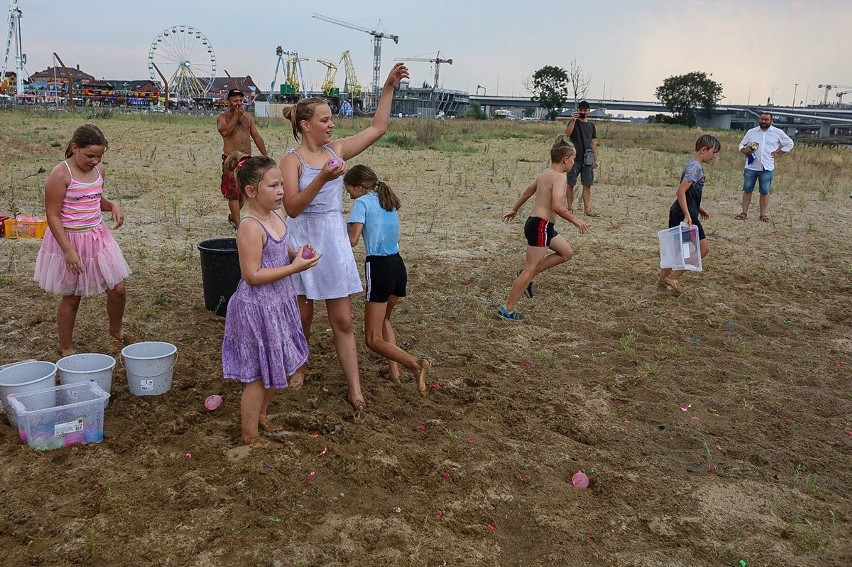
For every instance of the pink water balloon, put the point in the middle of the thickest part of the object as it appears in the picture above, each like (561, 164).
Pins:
(307, 254)
(213, 402)
(580, 480)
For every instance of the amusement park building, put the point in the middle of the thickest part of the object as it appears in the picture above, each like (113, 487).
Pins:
(221, 86)
(56, 75)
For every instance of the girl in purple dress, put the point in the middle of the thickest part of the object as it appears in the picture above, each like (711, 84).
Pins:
(264, 346)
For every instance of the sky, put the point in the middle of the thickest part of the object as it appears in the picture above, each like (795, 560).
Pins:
(757, 49)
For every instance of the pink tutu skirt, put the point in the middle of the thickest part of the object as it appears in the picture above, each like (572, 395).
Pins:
(104, 266)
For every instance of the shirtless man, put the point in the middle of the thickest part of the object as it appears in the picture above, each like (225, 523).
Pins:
(549, 190)
(237, 129)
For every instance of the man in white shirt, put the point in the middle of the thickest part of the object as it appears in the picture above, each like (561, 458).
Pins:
(761, 145)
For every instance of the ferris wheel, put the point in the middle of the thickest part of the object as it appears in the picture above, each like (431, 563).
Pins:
(185, 57)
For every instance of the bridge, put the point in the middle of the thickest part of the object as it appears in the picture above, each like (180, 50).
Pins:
(825, 120)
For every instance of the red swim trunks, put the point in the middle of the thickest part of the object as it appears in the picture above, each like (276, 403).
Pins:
(229, 185)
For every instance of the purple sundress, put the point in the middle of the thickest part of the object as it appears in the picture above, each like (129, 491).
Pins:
(263, 329)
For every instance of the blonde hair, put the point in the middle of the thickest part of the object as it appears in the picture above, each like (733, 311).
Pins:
(561, 149)
(302, 110)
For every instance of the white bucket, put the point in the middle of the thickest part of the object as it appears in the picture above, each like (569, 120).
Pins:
(87, 366)
(23, 378)
(149, 367)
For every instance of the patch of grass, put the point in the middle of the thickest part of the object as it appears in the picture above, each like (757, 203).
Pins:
(626, 344)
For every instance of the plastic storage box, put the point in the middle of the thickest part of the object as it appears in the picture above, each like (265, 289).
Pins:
(24, 227)
(680, 248)
(61, 416)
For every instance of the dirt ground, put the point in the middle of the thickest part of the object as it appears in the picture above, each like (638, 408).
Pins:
(716, 427)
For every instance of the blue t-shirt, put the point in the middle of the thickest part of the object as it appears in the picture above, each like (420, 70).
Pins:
(694, 173)
(381, 227)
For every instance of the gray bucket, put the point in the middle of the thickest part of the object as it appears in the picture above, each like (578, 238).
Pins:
(149, 367)
(23, 378)
(87, 366)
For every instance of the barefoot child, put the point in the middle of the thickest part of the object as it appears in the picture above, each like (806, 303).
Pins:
(313, 198)
(549, 190)
(687, 208)
(78, 256)
(264, 346)
(374, 214)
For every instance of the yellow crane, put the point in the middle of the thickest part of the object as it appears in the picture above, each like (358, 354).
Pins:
(352, 86)
(436, 60)
(377, 48)
(294, 72)
(330, 77)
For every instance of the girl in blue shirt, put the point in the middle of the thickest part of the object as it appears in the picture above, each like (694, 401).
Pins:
(374, 215)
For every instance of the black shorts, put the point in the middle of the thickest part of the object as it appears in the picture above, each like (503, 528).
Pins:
(386, 276)
(539, 232)
(676, 217)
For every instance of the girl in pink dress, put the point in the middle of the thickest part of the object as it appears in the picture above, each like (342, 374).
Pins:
(78, 256)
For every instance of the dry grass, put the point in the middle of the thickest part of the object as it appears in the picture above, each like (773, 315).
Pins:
(756, 351)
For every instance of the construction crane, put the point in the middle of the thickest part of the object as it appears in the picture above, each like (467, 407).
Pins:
(840, 95)
(437, 61)
(829, 87)
(288, 67)
(330, 77)
(20, 58)
(351, 84)
(295, 78)
(377, 48)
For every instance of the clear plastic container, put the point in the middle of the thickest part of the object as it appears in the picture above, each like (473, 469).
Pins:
(61, 416)
(680, 248)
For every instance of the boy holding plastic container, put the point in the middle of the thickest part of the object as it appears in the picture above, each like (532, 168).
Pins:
(687, 208)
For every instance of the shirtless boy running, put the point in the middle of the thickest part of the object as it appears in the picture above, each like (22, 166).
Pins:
(237, 129)
(549, 190)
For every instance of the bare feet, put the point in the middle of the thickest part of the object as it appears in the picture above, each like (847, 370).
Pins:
(297, 381)
(425, 363)
(268, 426)
(590, 213)
(256, 441)
(359, 405)
(673, 285)
(122, 337)
(67, 352)
(661, 286)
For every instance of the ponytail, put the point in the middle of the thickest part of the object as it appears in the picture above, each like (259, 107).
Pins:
(363, 176)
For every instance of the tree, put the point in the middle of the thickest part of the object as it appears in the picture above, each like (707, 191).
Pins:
(550, 89)
(682, 94)
(578, 81)
(474, 110)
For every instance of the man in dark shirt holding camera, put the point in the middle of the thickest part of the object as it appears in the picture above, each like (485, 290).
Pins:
(584, 137)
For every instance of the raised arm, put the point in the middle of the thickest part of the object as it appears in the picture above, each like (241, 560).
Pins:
(226, 127)
(350, 147)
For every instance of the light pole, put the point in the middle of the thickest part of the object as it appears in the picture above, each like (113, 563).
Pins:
(795, 88)
(771, 100)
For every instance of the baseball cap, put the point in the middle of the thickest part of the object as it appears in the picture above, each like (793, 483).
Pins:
(235, 92)
(583, 104)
